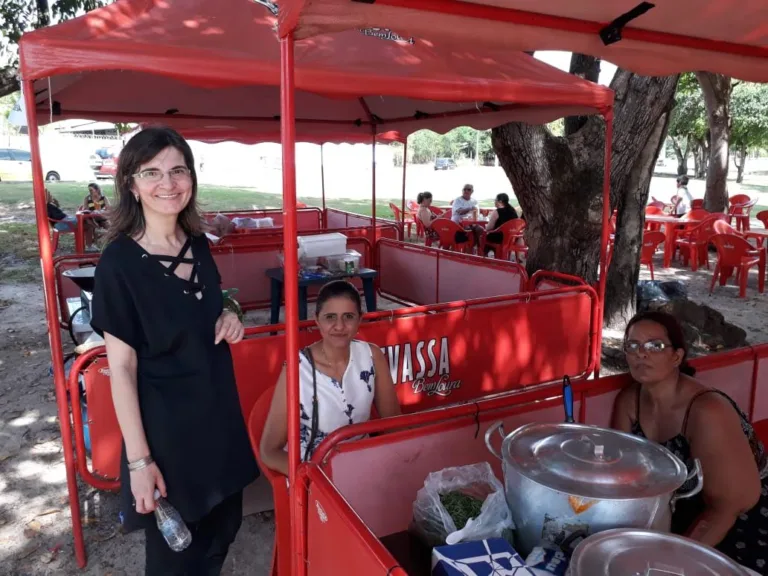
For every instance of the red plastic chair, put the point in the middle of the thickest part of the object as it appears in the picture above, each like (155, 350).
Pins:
(696, 214)
(651, 241)
(437, 211)
(696, 204)
(722, 227)
(512, 232)
(399, 218)
(763, 217)
(412, 205)
(55, 233)
(658, 204)
(741, 210)
(735, 253)
(653, 211)
(281, 557)
(446, 232)
(694, 243)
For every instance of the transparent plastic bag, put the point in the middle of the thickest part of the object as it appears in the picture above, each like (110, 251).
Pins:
(433, 523)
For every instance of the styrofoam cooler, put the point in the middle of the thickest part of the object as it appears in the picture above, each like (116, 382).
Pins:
(321, 245)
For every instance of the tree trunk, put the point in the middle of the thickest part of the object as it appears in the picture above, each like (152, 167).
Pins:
(587, 68)
(558, 181)
(717, 98)
(696, 160)
(741, 161)
(682, 156)
(624, 271)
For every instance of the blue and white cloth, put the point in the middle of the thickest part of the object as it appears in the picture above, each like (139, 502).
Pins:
(339, 403)
(492, 557)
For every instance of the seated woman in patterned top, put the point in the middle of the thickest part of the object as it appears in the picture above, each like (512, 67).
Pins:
(339, 379)
(667, 405)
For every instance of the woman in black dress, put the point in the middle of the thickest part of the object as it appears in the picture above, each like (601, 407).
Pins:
(503, 214)
(158, 304)
(667, 405)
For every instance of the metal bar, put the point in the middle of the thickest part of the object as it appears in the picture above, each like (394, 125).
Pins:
(604, 238)
(290, 247)
(322, 175)
(373, 192)
(54, 334)
(402, 203)
(521, 17)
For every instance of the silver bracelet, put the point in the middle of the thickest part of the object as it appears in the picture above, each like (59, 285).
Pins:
(140, 463)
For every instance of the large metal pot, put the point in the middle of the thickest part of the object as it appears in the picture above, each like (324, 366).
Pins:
(645, 553)
(565, 479)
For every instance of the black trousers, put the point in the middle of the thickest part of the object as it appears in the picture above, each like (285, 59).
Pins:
(211, 538)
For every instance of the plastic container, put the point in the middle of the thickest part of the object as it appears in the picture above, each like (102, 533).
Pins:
(321, 245)
(171, 525)
(348, 263)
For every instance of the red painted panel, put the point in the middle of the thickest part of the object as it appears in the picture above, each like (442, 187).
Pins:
(106, 440)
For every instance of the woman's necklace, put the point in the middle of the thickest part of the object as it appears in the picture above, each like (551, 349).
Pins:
(334, 366)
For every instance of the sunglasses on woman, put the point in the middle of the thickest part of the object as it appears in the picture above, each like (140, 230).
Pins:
(651, 347)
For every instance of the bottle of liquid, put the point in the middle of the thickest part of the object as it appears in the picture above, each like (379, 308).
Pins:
(170, 524)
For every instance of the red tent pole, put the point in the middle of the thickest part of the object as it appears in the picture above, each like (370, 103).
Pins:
(402, 203)
(291, 284)
(54, 332)
(373, 194)
(322, 175)
(604, 237)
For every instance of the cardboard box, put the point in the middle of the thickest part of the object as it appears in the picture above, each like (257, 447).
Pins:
(493, 557)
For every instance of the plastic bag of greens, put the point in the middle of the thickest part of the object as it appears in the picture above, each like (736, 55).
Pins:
(461, 504)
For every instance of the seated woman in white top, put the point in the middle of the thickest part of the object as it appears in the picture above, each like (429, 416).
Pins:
(349, 376)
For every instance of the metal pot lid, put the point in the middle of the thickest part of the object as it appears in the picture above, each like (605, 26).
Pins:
(625, 552)
(593, 462)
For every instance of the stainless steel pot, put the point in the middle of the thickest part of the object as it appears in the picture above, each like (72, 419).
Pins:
(563, 479)
(646, 553)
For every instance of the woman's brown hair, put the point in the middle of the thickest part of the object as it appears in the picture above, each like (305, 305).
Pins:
(127, 216)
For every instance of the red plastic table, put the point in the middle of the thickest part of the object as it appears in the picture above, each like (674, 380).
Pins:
(671, 224)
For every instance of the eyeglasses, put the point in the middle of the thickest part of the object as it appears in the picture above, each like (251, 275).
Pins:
(469, 189)
(651, 347)
(153, 175)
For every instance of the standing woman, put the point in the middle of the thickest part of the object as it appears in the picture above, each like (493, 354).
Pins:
(158, 304)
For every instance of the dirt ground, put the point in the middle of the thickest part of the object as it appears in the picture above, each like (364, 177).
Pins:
(35, 535)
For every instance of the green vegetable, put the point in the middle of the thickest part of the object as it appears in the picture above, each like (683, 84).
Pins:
(461, 507)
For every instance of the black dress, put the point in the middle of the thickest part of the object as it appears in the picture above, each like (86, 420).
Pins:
(188, 398)
(747, 541)
(505, 214)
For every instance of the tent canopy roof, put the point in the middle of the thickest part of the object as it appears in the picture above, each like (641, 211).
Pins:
(674, 36)
(197, 65)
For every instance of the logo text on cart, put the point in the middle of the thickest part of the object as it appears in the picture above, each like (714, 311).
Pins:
(426, 365)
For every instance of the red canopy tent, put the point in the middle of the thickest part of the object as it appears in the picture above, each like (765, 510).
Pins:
(218, 73)
(671, 37)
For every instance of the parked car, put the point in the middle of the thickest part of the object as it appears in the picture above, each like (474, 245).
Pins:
(15, 164)
(445, 164)
(103, 162)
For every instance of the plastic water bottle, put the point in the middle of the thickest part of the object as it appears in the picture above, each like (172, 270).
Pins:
(170, 524)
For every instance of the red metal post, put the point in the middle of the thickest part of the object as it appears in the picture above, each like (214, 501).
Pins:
(604, 237)
(54, 334)
(402, 203)
(322, 175)
(373, 192)
(291, 283)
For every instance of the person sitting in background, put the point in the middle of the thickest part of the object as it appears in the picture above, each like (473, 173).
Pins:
(503, 214)
(665, 404)
(464, 206)
(61, 221)
(425, 215)
(340, 378)
(682, 200)
(95, 201)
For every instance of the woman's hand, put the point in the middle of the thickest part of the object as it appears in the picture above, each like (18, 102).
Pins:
(143, 483)
(229, 328)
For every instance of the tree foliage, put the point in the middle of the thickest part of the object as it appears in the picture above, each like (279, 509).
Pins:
(749, 111)
(20, 16)
(688, 125)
